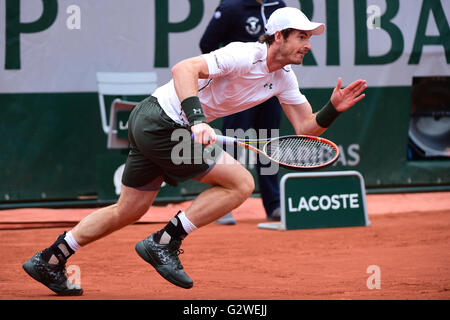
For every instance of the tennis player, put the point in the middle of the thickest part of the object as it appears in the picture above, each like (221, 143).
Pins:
(228, 80)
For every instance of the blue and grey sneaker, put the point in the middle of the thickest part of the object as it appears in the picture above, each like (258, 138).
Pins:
(52, 276)
(275, 215)
(164, 258)
(226, 220)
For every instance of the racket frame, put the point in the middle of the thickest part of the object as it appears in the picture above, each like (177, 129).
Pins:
(246, 144)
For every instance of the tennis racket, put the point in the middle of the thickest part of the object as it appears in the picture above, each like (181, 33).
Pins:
(295, 152)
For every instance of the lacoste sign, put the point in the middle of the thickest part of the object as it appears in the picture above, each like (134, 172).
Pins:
(324, 202)
(323, 199)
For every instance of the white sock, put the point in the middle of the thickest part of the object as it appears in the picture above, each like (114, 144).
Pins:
(188, 226)
(73, 244)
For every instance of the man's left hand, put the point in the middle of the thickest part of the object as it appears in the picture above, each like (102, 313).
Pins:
(343, 99)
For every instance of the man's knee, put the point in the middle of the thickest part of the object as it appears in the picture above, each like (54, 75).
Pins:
(138, 207)
(246, 185)
(133, 202)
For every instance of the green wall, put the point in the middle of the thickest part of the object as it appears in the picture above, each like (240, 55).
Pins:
(54, 149)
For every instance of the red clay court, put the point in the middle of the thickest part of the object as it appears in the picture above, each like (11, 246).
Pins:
(408, 239)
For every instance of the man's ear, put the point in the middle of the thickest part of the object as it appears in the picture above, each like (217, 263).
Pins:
(278, 36)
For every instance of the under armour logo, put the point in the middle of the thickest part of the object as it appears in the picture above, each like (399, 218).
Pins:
(268, 85)
(197, 111)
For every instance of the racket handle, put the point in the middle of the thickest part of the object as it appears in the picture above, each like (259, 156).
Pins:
(225, 139)
(221, 139)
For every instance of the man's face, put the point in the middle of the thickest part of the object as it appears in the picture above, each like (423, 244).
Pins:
(295, 46)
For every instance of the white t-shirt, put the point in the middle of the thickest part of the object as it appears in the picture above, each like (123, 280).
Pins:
(238, 80)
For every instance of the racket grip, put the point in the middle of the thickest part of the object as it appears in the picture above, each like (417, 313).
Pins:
(221, 139)
(225, 139)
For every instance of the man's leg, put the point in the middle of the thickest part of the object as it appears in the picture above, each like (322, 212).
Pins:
(268, 118)
(132, 205)
(48, 266)
(231, 184)
(239, 121)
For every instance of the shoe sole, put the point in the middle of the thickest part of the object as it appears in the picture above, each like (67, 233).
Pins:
(28, 266)
(225, 223)
(144, 254)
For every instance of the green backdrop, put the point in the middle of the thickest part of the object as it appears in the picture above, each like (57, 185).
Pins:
(54, 149)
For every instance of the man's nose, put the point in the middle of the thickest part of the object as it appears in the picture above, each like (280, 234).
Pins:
(308, 45)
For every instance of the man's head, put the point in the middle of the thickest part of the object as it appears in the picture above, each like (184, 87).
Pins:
(289, 29)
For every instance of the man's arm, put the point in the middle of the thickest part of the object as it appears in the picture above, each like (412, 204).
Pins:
(306, 122)
(185, 78)
(302, 119)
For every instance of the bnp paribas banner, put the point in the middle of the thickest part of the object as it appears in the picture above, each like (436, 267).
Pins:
(54, 146)
(68, 41)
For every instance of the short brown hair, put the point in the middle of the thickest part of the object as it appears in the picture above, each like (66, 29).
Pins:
(269, 39)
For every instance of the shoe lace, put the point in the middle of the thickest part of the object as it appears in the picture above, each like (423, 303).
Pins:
(64, 271)
(59, 272)
(175, 253)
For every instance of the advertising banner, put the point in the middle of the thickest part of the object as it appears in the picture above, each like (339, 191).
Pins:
(51, 51)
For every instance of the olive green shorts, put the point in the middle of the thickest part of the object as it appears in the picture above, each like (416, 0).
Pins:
(162, 150)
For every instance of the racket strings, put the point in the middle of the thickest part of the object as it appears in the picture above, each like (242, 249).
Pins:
(300, 151)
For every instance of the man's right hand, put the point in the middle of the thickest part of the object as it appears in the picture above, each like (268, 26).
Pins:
(203, 134)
